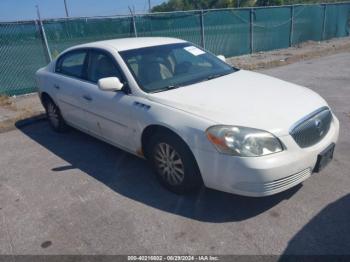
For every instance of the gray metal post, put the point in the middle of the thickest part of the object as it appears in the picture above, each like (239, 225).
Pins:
(291, 26)
(133, 21)
(43, 36)
(149, 6)
(134, 24)
(324, 22)
(202, 29)
(251, 30)
(66, 8)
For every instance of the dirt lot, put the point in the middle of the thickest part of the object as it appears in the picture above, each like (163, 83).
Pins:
(72, 194)
(304, 51)
(13, 109)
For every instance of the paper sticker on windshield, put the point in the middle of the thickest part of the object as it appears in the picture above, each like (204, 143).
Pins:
(194, 50)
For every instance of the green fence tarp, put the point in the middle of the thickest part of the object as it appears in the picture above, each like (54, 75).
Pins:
(229, 32)
(337, 21)
(308, 23)
(185, 25)
(271, 28)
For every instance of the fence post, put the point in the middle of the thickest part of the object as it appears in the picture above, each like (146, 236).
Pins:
(132, 13)
(134, 25)
(202, 29)
(43, 37)
(324, 21)
(291, 26)
(251, 30)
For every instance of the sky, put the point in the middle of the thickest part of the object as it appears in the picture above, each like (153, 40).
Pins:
(15, 10)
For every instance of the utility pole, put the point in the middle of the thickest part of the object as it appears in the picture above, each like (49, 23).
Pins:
(149, 6)
(38, 12)
(66, 8)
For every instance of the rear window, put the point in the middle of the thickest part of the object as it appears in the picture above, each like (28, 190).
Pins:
(72, 64)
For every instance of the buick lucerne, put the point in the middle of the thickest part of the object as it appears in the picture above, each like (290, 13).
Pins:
(195, 118)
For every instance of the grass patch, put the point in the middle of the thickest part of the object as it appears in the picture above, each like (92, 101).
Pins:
(10, 124)
(5, 101)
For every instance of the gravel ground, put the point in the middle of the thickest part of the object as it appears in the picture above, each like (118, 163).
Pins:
(13, 109)
(304, 51)
(72, 194)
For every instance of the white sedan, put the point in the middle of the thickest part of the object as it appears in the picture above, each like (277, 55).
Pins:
(194, 117)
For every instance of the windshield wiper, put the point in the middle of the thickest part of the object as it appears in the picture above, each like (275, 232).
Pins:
(210, 77)
(213, 76)
(172, 87)
(216, 75)
(169, 87)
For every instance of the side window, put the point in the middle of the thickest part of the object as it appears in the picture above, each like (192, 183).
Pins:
(100, 66)
(72, 64)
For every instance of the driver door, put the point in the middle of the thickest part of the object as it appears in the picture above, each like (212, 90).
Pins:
(108, 112)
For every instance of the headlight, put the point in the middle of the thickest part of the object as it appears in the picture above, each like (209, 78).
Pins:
(243, 141)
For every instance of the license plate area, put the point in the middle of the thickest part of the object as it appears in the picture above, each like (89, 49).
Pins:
(324, 158)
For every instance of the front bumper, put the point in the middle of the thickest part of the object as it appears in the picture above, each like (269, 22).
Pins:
(263, 176)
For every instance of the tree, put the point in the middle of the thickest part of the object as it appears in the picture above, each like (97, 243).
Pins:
(181, 5)
(269, 2)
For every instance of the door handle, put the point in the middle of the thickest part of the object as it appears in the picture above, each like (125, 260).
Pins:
(56, 86)
(87, 98)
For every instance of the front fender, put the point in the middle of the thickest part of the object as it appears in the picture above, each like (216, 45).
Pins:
(189, 127)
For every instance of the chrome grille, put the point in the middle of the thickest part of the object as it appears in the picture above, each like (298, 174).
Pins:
(311, 130)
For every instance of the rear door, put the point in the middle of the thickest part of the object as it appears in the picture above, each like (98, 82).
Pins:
(70, 82)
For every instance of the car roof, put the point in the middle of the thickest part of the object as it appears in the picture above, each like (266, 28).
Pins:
(123, 44)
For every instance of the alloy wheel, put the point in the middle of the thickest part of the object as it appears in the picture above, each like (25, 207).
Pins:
(169, 164)
(52, 114)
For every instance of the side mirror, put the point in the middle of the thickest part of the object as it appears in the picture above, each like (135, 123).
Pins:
(222, 58)
(110, 84)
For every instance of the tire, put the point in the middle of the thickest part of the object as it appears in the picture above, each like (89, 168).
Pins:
(54, 116)
(174, 164)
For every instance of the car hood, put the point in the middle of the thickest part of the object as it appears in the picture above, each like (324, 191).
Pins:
(247, 99)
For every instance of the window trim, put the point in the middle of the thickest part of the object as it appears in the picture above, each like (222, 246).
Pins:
(71, 52)
(110, 56)
(126, 89)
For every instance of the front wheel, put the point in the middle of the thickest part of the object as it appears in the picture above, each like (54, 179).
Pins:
(175, 166)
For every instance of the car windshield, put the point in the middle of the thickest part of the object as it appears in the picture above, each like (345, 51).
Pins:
(165, 67)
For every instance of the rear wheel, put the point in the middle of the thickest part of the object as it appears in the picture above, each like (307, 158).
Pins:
(174, 164)
(54, 116)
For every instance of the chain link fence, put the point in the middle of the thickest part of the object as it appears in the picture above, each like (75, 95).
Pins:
(27, 46)
(21, 54)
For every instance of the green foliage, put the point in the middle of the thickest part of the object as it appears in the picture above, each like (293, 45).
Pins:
(178, 5)
(181, 5)
(269, 2)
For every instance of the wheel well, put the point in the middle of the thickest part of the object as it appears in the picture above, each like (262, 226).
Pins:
(152, 130)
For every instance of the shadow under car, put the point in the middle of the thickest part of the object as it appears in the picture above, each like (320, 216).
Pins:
(132, 177)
